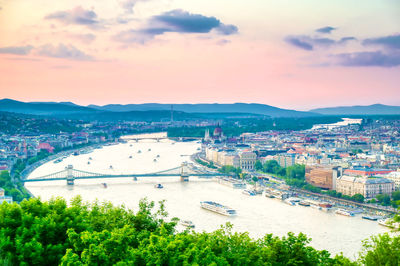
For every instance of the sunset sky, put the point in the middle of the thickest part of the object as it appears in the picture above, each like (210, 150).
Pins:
(290, 54)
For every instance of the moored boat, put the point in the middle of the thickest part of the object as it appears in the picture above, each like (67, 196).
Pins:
(269, 194)
(304, 203)
(325, 206)
(187, 223)
(289, 202)
(218, 208)
(249, 192)
(344, 212)
(389, 223)
(371, 217)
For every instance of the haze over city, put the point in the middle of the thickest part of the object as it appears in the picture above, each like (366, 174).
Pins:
(291, 54)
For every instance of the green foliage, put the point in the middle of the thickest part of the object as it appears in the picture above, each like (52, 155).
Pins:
(358, 198)
(230, 170)
(13, 123)
(16, 191)
(237, 126)
(396, 195)
(258, 165)
(40, 156)
(357, 151)
(39, 233)
(51, 233)
(381, 250)
(209, 165)
(296, 171)
(384, 199)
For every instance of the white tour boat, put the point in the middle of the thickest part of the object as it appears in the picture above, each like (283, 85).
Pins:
(218, 208)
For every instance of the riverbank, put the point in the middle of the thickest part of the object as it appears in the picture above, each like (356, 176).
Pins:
(32, 167)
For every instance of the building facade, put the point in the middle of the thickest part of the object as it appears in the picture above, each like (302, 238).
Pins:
(368, 187)
(286, 159)
(247, 160)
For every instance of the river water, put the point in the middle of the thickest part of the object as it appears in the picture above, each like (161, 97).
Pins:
(257, 215)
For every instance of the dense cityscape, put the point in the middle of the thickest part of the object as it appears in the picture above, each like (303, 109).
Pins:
(347, 167)
(182, 132)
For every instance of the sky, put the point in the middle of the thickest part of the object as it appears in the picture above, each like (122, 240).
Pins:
(298, 54)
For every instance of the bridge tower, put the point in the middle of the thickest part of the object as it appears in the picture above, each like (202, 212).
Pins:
(184, 172)
(70, 176)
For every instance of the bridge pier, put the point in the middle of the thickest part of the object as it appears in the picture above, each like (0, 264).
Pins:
(70, 176)
(184, 172)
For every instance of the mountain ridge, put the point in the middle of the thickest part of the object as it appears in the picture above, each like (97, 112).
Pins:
(373, 109)
(62, 108)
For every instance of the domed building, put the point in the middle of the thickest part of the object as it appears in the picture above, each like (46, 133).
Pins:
(218, 132)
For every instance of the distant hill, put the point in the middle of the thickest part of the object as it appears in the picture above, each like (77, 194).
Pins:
(249, 108)
(375, 109)
(43, 108)
(145, 111)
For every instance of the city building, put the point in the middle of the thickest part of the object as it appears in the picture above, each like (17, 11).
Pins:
(395, 177)
(247, 160)
(364, 171)
(366, 186)
(286, 159)
(323, 177)
(5, 198)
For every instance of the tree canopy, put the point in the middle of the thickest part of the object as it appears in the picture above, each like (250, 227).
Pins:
(50, 233)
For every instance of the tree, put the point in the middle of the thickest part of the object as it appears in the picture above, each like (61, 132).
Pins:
(258, 165)
(384, 199)
(358, 198)
(396, 195)
(53, 233)
(381, 250)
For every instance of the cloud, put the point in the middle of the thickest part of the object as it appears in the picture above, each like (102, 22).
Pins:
(128, 5)
(179, 21)
(310, 43)
(223, 42)
(322, 41)
(227, 29)
(391, 42)
(77, 15)
(63, 51)
(326, 30)
(84, 38)
(18, 50)
(346, 39)
(368, 59)
(23, 59)
(295, 41)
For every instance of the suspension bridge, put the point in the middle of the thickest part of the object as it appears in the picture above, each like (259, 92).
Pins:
(184, 171)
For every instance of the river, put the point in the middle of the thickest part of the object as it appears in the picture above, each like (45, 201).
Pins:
(257, 215)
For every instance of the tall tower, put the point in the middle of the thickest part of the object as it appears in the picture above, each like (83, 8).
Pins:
(172, 113)
(207, 135)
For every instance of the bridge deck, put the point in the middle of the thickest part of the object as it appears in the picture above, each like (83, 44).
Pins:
(119, 176)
